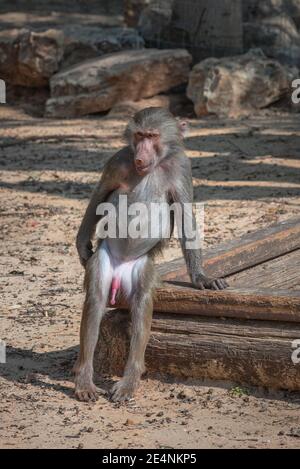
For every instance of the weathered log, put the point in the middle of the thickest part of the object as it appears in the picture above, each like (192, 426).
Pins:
(240, 303)
(246, 352)
(241, 253)
(282, 273)
(230, 303)
(258, 300)
(241, 334)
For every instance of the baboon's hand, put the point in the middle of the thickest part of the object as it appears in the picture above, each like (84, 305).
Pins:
(85, 251)
(202, 282)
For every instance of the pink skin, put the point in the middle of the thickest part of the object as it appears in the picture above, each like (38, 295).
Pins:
(115, 285)
(144, 154)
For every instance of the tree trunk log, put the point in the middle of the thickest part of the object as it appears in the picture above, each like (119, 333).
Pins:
(245, 352)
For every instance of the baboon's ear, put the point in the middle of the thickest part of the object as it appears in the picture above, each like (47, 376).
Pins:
(183, 127)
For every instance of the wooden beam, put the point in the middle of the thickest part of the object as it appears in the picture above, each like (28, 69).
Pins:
(230, 303)
(238, 335)
(242, 253)
(282, 273)
(237, 255)
(246, 352)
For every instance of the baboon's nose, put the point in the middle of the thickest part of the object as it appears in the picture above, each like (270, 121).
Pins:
(139, 163)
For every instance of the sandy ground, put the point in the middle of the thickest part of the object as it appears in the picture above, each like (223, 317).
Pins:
(248, 174)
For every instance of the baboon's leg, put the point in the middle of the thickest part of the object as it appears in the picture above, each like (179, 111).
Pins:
(97, 283)
(141, 318)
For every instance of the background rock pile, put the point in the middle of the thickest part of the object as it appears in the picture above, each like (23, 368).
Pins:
(231, 59)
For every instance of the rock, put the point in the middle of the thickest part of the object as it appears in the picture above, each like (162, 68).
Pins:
(132, 10)
(206, 27)
(97, 85)
(253, 9)
(31, 100)
(129, 422)
(126, 109)
(258, 9)
(87, 42)
(277, 36)
(293, 9)
(186, 395)
(30, 58)
(177, 103)
(234, 86)
(155, 21)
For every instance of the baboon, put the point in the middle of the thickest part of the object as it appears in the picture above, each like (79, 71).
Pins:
(151, 168)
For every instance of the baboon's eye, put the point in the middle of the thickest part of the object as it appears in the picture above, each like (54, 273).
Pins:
(138, 136)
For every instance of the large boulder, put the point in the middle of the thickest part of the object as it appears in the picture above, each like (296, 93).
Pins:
(96, 85)
(87, 42)
(30, 58)
(260, 9)
(205, 27)
(234, 86)
(277, 36)
(255, 9)
(154, 22)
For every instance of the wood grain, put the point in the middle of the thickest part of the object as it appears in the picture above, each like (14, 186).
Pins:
(280, 273)
(246, 352)
(243, 334)
(241, 253)
(231, 303)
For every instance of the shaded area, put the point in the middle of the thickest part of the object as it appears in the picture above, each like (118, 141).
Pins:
(245, 161)
(27, 366)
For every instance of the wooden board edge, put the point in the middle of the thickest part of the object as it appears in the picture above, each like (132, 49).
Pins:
(241, 253)
(231, 303)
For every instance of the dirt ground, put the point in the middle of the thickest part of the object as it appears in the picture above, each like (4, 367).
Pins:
(248, 174)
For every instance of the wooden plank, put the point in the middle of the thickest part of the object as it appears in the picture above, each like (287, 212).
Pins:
(246, 352)
(280, 273)
(242, 253)
(230, 303)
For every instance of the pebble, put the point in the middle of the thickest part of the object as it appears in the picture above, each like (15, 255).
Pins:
(129, 422)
